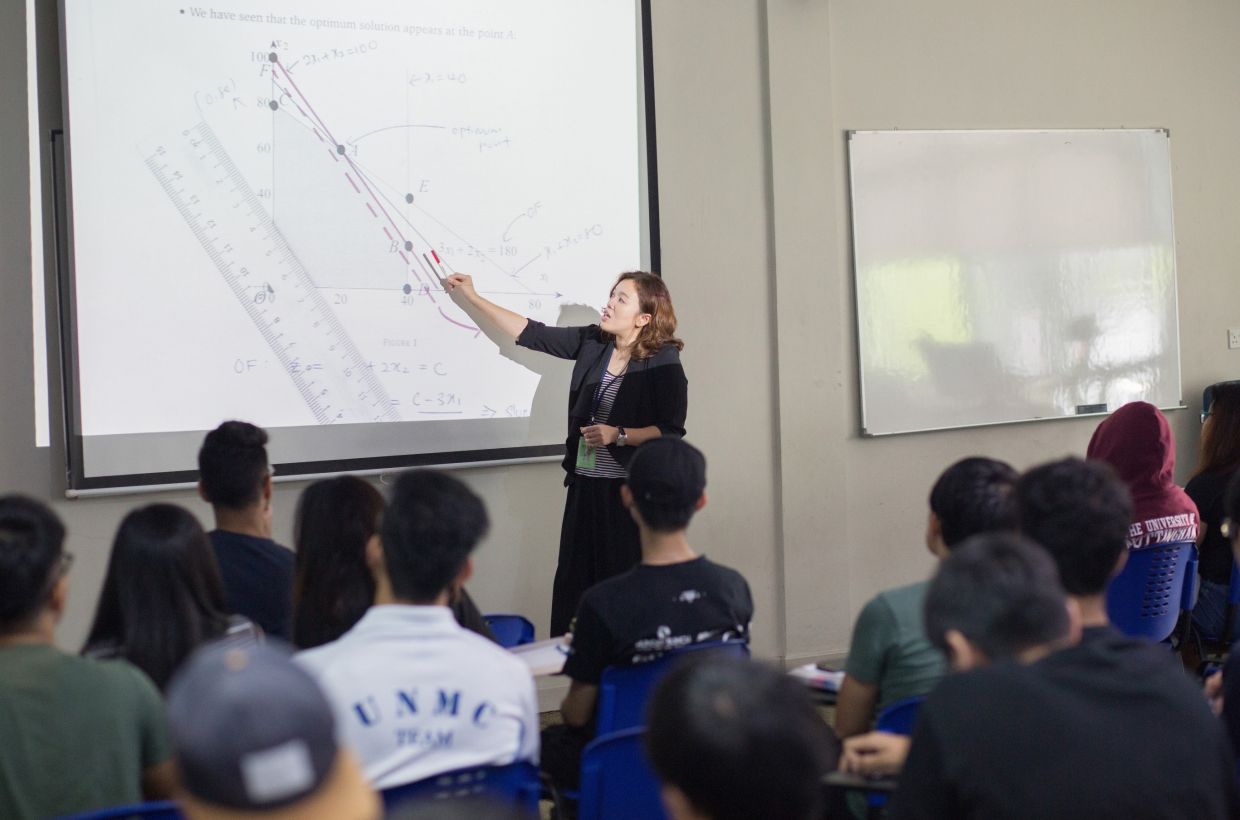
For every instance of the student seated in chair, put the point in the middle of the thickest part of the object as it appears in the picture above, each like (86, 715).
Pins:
(673, 598)
(889, 658)
(996, 597)
(75, 734)
(732, 739)
(415, 694)
(1080, 512)
(234, 477)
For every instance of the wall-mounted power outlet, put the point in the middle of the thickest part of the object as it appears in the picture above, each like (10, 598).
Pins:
(1233, 338)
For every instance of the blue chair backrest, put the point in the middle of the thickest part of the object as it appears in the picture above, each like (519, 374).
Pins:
(899, 717)
(510, 630)
(616, 780)
(516, 783)
(154, 810)
(624, 690)
(1145, 599)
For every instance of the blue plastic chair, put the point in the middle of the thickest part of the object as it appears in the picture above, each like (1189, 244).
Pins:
(616, 780)
(1145, 600)
(510, 630)
(153, 810)
(898, 718)
(624, 690)
(514, 783)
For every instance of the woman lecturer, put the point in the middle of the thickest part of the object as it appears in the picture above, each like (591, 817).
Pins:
(627, 387)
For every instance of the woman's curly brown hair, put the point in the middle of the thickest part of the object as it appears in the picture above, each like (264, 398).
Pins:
(652, 298)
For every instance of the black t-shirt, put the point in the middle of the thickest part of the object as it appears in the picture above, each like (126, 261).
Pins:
(1107, 729)
(649, 610)
(258, 580)
(1206, 491)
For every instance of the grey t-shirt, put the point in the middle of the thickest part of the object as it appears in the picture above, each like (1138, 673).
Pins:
(889, 646)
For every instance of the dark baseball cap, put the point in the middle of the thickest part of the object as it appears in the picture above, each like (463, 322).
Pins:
(254, 734)
(668, 472)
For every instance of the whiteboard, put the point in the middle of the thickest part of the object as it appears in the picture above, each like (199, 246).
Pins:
(266, 196)
(1006, 276)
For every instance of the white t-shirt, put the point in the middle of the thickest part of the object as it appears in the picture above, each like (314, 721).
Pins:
(416, 695)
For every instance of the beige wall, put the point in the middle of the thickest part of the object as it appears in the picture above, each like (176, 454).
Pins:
(753, 98)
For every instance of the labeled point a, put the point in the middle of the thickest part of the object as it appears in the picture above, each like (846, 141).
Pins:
(275, 58)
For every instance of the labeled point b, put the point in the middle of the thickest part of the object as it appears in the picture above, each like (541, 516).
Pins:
(408, 245)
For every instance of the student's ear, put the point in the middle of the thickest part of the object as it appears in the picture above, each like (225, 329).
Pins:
(643, 319)
(626, 496)
(465, 574)
(1073, 636)
(202, 493)
(701, 502)
(1120, 564)
(962, 653)
(267, 490)
(59, 598)
(934, 536)
(374, 555)
(677, 804)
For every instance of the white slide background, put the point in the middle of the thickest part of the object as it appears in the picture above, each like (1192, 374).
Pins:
(260, 191)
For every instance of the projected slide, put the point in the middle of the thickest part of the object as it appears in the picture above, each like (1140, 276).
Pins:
(267, 193)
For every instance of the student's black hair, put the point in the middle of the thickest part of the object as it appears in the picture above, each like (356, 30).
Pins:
(162, 595)
(232, 464)
(1001, 591)
(1080, 512)
(432, 524)
(740, 739)
(31, 544)
(973, 496)
(332, 585)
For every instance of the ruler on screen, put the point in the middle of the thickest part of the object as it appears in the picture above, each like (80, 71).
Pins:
(272, 285)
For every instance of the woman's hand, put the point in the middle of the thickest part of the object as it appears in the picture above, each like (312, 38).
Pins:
(875, 753)
(462, 282)
(600, 435)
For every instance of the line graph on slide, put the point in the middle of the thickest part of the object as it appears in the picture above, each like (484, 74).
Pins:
(330, 180)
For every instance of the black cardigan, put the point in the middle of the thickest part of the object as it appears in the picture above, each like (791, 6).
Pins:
(654, 391)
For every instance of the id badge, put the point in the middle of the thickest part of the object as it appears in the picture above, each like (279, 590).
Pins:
(587, 456)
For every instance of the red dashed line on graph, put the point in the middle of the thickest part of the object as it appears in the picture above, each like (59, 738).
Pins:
(402, 256)
(389, 234)
(317, 123)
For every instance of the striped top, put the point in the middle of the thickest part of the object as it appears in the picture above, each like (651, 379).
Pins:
(605, 464)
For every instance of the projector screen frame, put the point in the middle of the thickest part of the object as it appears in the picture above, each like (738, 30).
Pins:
(79, 484)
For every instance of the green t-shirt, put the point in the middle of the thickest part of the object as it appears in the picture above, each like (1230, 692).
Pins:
(75, 733)
(889, 646)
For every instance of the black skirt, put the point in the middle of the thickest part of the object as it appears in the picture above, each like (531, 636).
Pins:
(598, 540)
